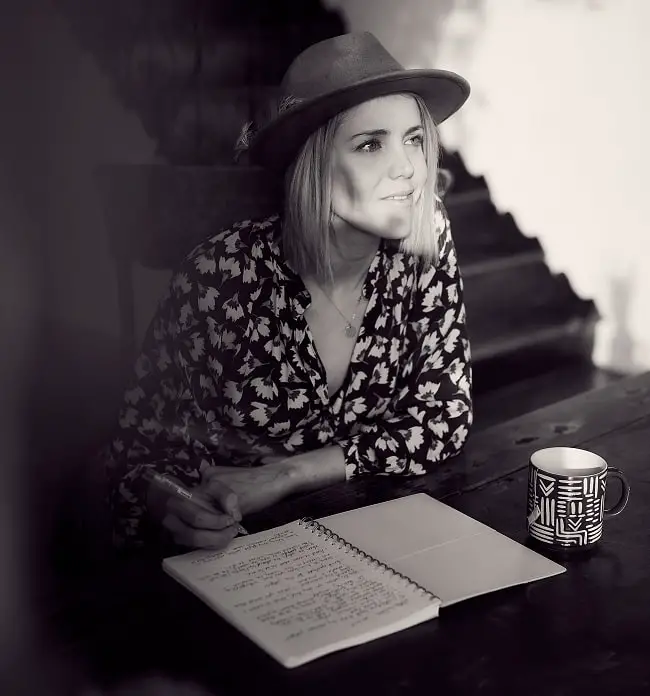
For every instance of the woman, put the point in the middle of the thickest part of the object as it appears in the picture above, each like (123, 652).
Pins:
(316, 346)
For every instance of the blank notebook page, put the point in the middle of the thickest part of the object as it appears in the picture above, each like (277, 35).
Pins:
(450, 554)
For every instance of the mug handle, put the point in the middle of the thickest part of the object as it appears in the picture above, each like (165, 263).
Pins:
(625, 492)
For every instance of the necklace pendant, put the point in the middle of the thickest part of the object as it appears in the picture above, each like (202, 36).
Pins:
(350, 331)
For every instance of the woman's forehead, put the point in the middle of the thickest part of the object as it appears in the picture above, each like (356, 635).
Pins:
(382, 112)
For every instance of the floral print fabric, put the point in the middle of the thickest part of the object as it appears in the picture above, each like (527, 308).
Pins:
(229, 373)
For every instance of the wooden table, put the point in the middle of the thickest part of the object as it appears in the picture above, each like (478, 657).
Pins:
(584, 632)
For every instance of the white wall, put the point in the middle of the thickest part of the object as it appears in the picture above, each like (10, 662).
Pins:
(557, 125)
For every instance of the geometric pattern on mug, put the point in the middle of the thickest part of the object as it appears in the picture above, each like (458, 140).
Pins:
(572, 489)
(570, 510)
(595, 509)
(542, 532)
(546, 484)
(594, 533)
(569, 532)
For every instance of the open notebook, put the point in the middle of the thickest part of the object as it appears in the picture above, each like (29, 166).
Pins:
(312, 587)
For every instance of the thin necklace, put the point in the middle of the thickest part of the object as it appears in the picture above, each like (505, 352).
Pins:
(350, 328)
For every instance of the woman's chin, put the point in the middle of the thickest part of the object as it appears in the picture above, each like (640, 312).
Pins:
(395, 229)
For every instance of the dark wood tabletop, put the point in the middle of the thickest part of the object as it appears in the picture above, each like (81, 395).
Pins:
(584, 632)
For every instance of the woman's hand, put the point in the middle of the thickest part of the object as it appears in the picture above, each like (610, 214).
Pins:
(192, 525)
(256, 488)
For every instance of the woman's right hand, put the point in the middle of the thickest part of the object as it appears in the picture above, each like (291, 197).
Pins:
(190, 524)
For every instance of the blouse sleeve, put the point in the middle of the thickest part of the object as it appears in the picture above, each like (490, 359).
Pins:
(159, 417)
(430, 416)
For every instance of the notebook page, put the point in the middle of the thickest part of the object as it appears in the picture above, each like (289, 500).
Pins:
(299, 596)
(442, 549)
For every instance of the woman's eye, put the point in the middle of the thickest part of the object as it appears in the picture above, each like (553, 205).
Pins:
(369, 146)
(416, 140)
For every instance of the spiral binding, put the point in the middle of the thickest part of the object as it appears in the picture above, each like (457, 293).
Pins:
(321, 530)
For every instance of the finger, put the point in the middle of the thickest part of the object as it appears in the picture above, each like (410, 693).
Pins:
(223, 497)
(185, 535)
(197, 517)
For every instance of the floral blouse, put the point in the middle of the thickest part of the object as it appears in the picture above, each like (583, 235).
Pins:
(229, 372)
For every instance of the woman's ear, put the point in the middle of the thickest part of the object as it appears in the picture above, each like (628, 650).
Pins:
(444, 183)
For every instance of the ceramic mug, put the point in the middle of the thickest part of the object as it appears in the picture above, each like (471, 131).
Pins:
(566, 497)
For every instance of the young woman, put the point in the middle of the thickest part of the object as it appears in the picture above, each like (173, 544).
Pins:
(318, 345)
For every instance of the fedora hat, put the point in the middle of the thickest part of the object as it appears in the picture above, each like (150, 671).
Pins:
(334, 75)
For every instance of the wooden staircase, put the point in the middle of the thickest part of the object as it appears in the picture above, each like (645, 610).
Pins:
(521, 317)
(532, 336)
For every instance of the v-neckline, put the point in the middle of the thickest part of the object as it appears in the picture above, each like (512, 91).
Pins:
(330, 399)
(302, 301)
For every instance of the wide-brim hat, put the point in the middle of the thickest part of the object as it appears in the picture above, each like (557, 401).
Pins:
(336, 74)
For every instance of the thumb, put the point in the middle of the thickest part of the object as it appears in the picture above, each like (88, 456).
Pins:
(224, 497)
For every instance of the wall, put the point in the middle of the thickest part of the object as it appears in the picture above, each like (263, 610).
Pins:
(556, 124)
(63, 121)
(59, 359)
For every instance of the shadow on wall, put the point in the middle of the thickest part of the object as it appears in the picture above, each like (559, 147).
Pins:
(622, 344)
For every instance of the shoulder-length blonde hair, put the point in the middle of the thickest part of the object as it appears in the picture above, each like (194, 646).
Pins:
(307, 232)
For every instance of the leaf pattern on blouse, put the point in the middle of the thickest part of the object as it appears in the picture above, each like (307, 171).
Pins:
(229, 373)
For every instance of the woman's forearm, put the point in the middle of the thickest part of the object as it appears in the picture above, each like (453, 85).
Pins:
(314, 470)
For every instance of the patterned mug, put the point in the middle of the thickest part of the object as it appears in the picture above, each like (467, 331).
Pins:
(566, 497)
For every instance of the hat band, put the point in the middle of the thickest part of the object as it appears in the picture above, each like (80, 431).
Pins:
(250, 128)
(288, 102)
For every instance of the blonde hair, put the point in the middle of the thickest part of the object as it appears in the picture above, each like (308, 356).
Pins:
(307, 232)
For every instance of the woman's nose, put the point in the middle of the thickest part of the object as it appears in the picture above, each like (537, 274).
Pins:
(401, 165)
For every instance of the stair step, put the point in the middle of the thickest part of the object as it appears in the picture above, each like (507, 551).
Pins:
(521, 313)
(485, 238)
(499, 303)
(468, 208)
(463, 180)
(458, 199)
(494, 240)
(504, 403)
(489, 264)
(533, 336)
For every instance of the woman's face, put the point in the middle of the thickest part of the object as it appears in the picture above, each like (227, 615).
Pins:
(378, 166)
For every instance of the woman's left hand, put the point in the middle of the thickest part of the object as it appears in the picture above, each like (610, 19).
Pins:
(256, 487)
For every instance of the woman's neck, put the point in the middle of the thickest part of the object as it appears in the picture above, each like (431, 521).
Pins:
(352, 252)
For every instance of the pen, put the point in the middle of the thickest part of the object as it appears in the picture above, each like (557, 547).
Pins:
(182, 492)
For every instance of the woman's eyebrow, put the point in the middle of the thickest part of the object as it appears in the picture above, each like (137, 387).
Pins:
(383, 131)
(379, 131)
